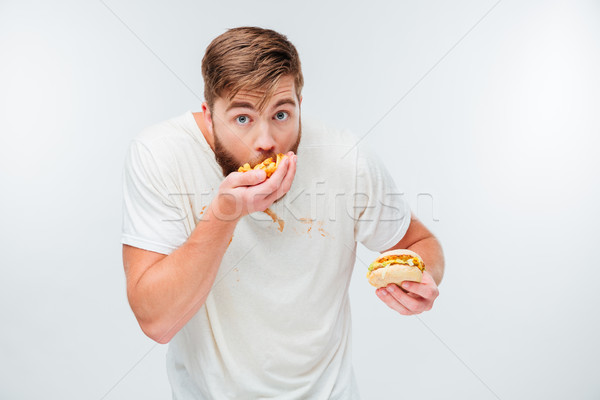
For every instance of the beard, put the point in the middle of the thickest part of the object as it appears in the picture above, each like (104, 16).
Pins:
(230, 164)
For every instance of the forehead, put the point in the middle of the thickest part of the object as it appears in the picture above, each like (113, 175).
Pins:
(284, 88)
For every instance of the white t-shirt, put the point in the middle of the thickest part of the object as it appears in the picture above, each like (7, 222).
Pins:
(276, 323)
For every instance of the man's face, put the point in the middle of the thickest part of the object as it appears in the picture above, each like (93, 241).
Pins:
(243, 135)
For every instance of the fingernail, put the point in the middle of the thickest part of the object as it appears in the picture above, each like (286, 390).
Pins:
(390, 288)
(405, 285)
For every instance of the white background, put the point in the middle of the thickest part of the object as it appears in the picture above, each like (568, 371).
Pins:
(501, 127)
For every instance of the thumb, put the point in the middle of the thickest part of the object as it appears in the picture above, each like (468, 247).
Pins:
(249, 178)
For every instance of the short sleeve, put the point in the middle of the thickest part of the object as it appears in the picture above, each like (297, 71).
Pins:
(151, 220)
(382, 214)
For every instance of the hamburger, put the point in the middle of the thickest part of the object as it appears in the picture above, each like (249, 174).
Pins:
(268, 165)
(396, 266)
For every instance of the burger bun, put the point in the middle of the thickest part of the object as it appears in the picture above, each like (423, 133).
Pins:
(395, 273)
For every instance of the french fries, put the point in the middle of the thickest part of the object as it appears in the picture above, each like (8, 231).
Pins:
(269, 166)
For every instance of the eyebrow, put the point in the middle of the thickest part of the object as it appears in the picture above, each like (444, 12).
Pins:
(245, 104)
(239, 104)
(287, 100)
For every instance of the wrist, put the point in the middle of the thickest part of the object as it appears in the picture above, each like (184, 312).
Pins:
(225, 208)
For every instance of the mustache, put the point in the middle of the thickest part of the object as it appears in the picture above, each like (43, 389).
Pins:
(259, 159)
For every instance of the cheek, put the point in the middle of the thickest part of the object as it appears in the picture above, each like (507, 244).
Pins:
(239, 149)
(234, 144)
(289, 135)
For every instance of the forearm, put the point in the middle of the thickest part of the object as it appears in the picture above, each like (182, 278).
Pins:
(171, 291)
(431, 252)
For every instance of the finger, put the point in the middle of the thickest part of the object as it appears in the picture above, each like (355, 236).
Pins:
(425, 290)
(391, 302)
(416, 305)
(267, 192)
(291, 173)
(258, 194)
(286, 184)
(281, 169)
(249, 178)
(274, 182)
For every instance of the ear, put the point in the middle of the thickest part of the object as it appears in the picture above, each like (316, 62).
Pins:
(207, 115)
(300, 100)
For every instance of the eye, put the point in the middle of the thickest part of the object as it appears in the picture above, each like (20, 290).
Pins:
(281, 116)
(242, 119)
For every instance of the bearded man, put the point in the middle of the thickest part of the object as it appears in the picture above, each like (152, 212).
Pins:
(246, 277)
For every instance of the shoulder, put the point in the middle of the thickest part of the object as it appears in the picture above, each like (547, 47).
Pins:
(316, 132)
(165, 140)
(166, 131)
(337, 140)
(327, 146)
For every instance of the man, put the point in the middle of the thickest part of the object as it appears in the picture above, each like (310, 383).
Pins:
(255, 305)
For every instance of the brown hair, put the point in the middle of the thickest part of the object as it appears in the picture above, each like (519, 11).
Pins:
(249, 58)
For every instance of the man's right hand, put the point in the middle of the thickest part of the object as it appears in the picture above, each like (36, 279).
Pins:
(242, 193)
(166, 291)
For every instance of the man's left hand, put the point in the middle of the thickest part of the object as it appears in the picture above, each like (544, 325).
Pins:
(414, 299)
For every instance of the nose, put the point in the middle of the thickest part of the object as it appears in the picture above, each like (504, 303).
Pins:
(265, 142)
